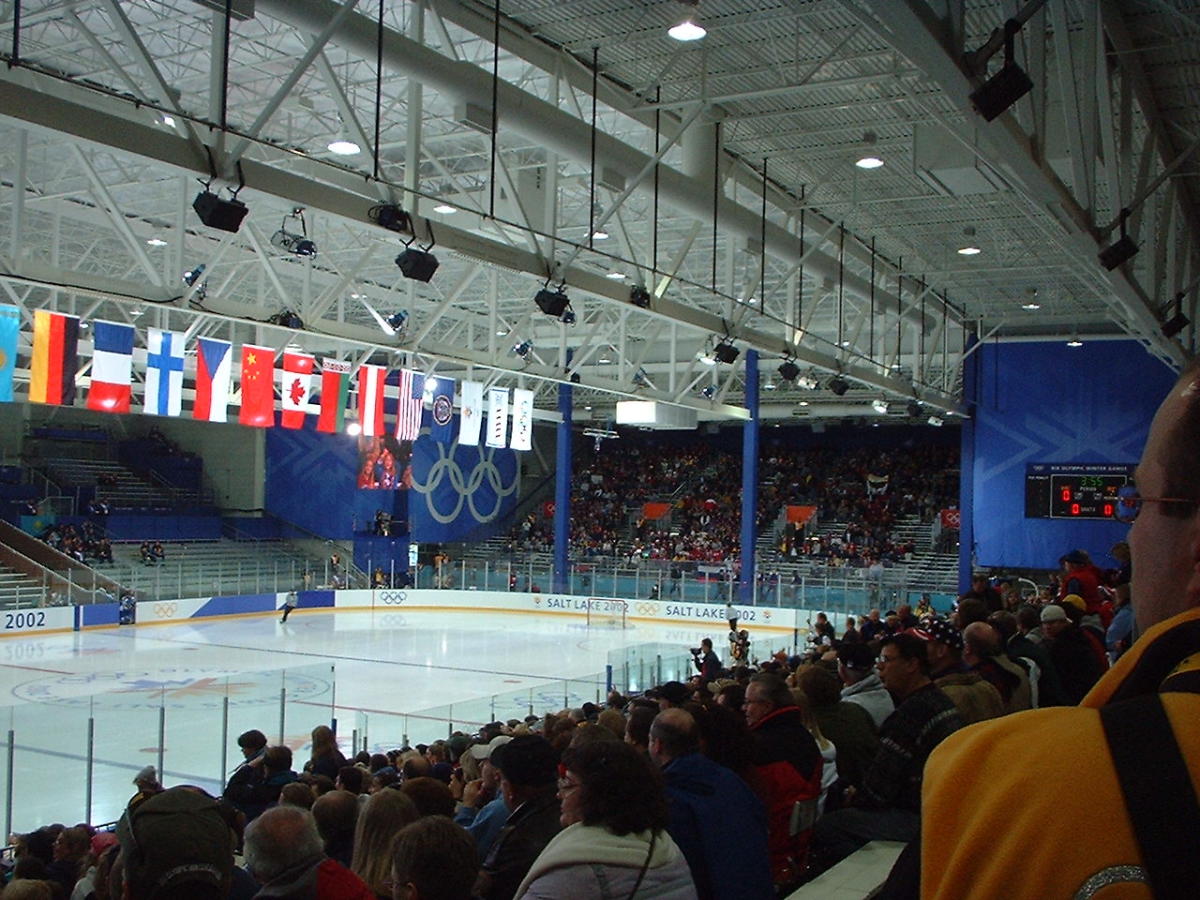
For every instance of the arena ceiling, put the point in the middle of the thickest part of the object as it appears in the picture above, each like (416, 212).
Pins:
(718, 174)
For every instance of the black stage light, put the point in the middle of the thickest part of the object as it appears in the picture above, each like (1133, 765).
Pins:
(788, 370)
(639, 297)
(214, 212)
(552, 303)
(397, 319)
(726, 353)
(838, 385)
(522, 349)
(914, 409)
(1001, 91)
(419, 265)
(568, 316)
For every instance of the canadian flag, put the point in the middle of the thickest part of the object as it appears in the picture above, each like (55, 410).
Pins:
(295, 385)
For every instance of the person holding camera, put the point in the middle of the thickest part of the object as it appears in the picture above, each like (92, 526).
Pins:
(706, 661)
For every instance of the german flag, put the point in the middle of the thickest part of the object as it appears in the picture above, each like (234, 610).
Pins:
(55, 358)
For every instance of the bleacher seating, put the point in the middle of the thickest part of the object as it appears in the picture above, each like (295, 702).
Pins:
(18, 590)
(216, 567)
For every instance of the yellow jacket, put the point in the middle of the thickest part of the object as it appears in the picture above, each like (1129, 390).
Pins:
(1029, 806)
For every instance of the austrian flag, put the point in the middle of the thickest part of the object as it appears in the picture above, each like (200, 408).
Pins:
(370, 399)
(295, 385)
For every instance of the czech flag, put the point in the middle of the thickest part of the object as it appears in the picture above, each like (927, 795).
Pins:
(55, 358)
(258, 386)
(213, 368)
(112, 367)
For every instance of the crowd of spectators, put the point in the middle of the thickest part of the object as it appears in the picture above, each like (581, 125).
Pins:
(869, 490)
(85, 543)
(742, 779)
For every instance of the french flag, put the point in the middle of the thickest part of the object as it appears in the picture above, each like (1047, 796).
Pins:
(112, 367)
(213, 367)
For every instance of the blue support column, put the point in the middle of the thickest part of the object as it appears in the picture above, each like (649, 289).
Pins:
(973, 397)
(562, 490)
(749, 480)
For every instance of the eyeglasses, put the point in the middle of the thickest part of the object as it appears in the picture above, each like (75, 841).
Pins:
(1129, 503)
(565, 785)
(884, 660)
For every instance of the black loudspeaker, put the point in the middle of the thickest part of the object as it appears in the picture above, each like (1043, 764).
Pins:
(726, 353)
(1123, 250)
(1001, 91)
(788, 370)
(214, 212)
(552, 303)
(418, 265)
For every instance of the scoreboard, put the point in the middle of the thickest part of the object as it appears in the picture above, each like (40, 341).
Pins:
(1074, 490)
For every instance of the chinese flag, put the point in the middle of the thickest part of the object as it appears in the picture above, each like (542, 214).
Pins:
(258, 386)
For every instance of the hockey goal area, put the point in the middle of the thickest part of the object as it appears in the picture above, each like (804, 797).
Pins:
(607, 613)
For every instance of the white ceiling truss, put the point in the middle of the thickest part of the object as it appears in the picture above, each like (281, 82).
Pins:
(721, 172)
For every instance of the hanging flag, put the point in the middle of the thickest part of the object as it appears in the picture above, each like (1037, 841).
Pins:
(497, 424)
(258, 386)
(335, 387)
(408, 409)
(370, 399)
(522, 429)
(55, 348)
(112, 367)
(10, 326)
(295, 386)
(214, 365)
(164, 373)
(443, 410)
(471, 414)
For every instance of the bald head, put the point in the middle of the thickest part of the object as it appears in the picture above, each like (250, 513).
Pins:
(673, 733)
(282, 837)
(980, 640)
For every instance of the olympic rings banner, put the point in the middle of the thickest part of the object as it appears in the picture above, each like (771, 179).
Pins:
(460, 493)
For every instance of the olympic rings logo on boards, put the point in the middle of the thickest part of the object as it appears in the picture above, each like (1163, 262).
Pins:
(165, 610)
(392, 598)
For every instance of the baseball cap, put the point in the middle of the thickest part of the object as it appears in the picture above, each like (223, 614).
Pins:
(1053, 613)
(937, 629)
(485, 751)
(176, 838)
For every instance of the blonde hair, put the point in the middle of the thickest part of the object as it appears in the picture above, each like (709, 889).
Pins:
(380, 820)
(323, 741)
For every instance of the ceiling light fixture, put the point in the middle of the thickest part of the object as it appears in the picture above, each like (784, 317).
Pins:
(969, 247)
(639, 296)
(936, 421)
(344, 147)
(599, 235)
(616, 276)
(688, 29)
(880, 406)
(1031, 306)
(1121, 250)
(156, 242)
(725, 352)
(445, 209)
(1074, 342)
(522, 349)
(868, 159)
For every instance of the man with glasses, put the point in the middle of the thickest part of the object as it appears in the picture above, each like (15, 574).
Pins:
(887, 805)
(1133, 743)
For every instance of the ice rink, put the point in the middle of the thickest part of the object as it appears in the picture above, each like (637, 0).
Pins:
(107, 695)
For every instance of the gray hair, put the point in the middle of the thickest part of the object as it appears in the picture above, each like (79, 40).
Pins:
(280, 839)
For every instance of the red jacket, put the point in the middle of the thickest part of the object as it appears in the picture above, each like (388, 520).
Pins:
(787, 769)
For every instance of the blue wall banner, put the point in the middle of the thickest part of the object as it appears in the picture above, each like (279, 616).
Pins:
(1049, 403)
(460, 493)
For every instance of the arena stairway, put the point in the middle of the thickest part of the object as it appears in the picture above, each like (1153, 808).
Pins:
(18, 590)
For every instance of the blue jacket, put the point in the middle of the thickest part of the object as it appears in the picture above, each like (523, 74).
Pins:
(721, 827)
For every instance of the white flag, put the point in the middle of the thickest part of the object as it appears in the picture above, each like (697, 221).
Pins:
(497, 426)
(470, 414)
(164, 372)
(522, 432)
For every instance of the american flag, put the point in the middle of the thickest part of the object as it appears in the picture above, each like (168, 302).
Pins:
(408, 411)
